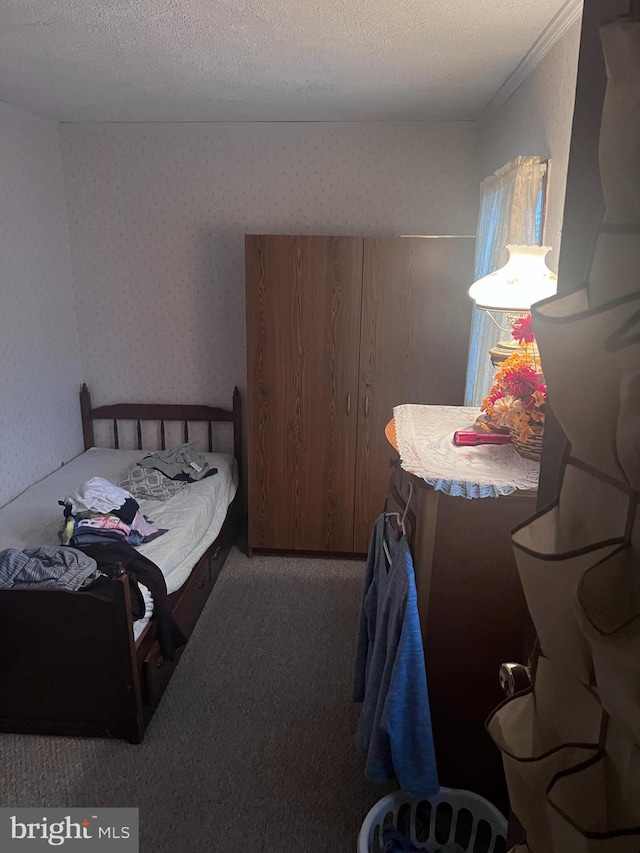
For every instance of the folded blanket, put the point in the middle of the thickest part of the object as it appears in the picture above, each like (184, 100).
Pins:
(47, 567)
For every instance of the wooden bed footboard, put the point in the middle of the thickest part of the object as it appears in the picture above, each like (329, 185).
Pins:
(69, 664)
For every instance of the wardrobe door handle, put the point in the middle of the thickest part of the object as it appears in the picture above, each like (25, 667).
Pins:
(348, 404)
(366, 403)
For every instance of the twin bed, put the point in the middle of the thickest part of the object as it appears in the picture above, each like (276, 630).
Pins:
(76, 663)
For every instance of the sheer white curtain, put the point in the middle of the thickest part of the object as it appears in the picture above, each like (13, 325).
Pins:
(509, 213)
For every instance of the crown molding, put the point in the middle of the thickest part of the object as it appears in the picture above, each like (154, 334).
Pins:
(19, 112)
(552, 33)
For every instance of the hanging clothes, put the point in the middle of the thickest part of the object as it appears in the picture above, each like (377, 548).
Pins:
(394, 731)
(110, 556)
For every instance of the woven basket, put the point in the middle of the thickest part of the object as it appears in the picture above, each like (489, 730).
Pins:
(532, 447)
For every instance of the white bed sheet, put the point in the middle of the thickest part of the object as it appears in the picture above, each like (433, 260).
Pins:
(193, 516)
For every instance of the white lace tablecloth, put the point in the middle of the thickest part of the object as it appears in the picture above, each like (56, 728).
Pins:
(425, 441)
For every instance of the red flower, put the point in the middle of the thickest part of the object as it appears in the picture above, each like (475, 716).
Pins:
(522, 330)
(518, 395)
(521, 381)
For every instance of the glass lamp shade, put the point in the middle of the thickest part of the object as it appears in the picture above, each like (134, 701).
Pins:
(523, 280)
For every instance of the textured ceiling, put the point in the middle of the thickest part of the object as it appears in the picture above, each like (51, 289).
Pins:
(262, 60)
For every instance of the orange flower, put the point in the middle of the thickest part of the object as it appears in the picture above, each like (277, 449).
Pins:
(518, 395)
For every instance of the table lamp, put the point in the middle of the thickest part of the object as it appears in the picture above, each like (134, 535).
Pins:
(513, 288)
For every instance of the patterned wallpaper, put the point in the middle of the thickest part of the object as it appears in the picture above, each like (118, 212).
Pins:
(39, 380)
(158, 213)
(537, 120)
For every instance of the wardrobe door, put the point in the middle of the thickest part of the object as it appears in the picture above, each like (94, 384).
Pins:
(303, 320)
(414, 339)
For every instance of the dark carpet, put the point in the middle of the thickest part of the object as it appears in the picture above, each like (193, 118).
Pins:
(251, 748)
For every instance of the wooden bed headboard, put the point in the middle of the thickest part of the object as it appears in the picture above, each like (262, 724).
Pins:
(162, 412)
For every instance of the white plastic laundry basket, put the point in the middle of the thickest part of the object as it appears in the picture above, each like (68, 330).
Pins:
(452, 817)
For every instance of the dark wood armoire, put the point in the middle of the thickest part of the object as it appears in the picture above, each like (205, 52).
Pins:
(339, 331)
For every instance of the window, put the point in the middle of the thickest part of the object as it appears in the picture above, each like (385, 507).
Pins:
(512, 208)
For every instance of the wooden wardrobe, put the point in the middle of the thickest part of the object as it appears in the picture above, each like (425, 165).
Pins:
(339, 331)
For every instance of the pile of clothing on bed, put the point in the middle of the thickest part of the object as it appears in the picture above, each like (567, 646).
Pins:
(102, 525)
(99, 511)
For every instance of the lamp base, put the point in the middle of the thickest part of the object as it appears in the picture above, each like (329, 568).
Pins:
(503, 349)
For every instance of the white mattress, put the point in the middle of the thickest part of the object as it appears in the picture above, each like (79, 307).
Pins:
(193, 516)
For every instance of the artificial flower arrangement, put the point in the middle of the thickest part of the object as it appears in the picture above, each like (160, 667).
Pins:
(518, 396)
